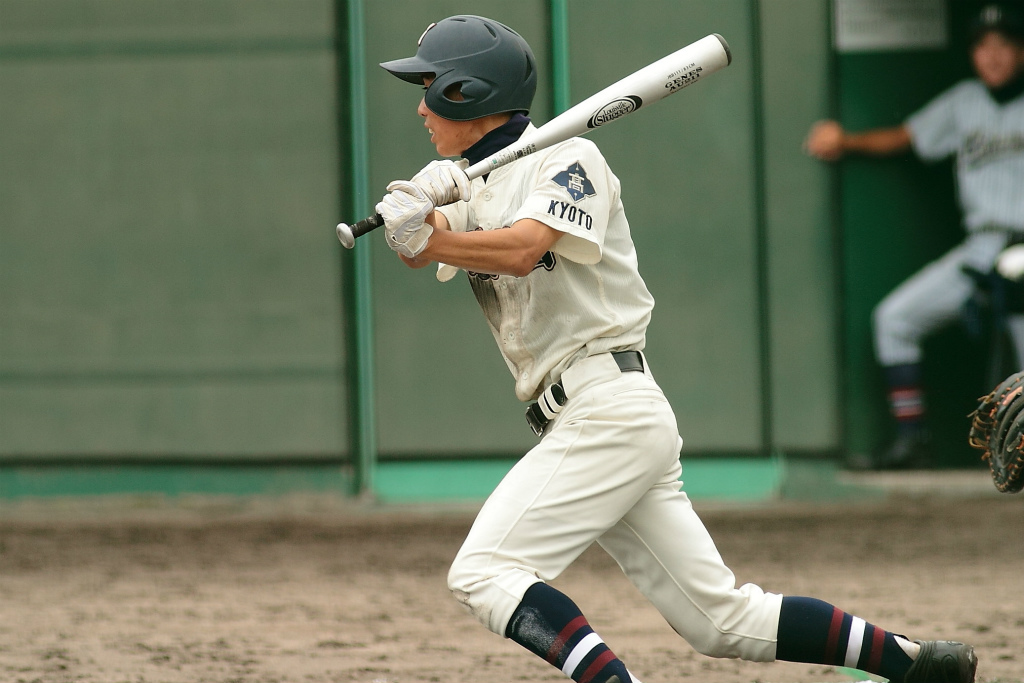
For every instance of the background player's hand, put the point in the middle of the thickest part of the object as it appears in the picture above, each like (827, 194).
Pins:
(445, 181)
(825, 141)
(405, 212)
(1011, 263)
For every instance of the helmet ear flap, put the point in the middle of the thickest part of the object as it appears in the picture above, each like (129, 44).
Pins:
(451, 92)
(443, 94)
(475, 89)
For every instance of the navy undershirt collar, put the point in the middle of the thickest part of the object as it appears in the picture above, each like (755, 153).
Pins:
(1009, 91)
(497, 139)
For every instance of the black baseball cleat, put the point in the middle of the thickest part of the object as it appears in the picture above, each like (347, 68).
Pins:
(906, 452)
(616, 679)
(943, 661)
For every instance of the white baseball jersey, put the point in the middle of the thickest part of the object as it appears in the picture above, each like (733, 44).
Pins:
(988, 140)
(586, 295)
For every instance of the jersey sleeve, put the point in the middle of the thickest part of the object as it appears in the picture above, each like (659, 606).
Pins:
(574, 192)
(933, 129)
(456, 214)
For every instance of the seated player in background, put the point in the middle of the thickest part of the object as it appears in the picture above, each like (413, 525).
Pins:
(981, 122)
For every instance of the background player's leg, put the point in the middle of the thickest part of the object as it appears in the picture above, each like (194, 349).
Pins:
(1015, 326)
(930, 299)
(906, 405)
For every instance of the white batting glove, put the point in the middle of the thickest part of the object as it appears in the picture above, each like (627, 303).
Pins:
(1011, 262)
(445, 181)
(405, 212)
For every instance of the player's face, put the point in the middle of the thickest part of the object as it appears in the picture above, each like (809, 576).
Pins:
(451, 138)
(997, 59)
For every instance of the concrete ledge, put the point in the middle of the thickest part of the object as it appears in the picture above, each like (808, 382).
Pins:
(963, 483)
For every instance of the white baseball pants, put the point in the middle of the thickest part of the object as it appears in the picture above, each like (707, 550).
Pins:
(934, 297)
(607, 470)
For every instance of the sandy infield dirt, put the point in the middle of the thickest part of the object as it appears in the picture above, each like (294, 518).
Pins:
(339, 596)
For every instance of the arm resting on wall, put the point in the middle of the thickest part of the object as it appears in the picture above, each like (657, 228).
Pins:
(828, 141)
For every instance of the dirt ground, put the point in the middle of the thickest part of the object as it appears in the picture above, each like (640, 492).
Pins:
(335, 595)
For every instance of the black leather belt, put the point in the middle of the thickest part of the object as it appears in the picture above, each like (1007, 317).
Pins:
(550, 403)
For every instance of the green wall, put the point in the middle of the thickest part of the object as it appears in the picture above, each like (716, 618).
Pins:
(801, 285)
(170, 286)
(167, 183)
(693, 177)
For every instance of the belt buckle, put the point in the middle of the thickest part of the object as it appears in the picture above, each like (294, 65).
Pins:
(540, 413)
(535, 423)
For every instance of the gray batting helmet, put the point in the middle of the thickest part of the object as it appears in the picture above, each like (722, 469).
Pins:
(490, 63)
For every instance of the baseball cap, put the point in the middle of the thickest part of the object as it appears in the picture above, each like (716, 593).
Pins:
(1001, 17)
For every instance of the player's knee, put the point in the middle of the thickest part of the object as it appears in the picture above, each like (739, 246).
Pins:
(460, 583)
(472, 589)
(885, 315)
(489, 593)
(892, 325)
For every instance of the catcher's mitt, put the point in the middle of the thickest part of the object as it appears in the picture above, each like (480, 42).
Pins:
(997, 429)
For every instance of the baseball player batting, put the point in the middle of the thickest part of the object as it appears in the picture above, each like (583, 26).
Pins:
(547, 250)
(981, 122)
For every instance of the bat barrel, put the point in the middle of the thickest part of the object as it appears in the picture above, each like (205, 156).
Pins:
(725, 46)
(654, 82)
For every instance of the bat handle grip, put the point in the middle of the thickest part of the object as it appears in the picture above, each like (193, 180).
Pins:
(347, 234)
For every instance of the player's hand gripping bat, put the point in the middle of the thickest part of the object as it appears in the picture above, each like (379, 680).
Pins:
(640, 89)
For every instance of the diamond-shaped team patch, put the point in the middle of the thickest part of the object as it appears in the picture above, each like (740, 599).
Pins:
(574, 180)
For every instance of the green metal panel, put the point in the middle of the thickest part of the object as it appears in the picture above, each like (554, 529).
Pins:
(243, 416)
(73, 28)
(168, 276)
(687, 172)
(802, 271)
(168, 280)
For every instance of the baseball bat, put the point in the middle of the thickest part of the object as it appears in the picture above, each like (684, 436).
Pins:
(642, 88)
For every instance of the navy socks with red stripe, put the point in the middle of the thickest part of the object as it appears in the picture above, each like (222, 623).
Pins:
(815, 632)
(906, 398)
(551, 626)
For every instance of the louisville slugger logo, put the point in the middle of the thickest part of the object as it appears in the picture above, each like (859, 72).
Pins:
(615, 109)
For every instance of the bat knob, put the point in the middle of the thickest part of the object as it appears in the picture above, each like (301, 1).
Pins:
(345, 236)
